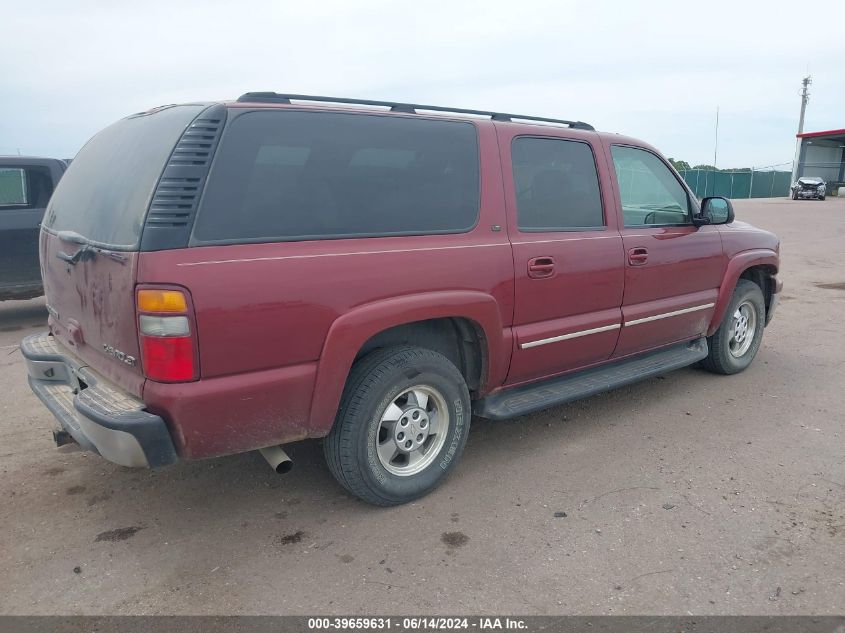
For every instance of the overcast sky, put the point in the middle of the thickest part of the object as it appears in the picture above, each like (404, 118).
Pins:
(654, 70)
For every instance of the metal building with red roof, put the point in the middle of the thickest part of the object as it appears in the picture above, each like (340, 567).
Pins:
(822, 154)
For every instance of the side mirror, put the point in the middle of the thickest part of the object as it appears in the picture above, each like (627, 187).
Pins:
(715, 210)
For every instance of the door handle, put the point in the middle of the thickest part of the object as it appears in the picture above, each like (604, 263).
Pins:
(541, 267)
(638, 256)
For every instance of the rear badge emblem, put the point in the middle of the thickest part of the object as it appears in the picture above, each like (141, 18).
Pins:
(116, 353)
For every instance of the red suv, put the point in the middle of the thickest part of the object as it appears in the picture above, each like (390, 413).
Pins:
(226, 277)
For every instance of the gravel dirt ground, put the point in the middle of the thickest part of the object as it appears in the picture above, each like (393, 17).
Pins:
(689, 493)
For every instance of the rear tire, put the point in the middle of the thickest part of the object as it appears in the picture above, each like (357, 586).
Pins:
(734, 345)
(402, 424)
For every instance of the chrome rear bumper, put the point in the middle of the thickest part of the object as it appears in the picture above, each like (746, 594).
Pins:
(99, 416)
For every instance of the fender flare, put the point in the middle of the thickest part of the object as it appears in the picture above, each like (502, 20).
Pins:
(349, 332)
(737, 265)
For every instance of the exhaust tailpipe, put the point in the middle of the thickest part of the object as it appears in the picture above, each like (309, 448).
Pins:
(277, 458)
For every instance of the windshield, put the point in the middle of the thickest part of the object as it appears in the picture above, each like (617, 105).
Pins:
(104, 195)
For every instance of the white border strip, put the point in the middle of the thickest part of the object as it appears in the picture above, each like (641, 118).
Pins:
(666, 315)
(566, 337)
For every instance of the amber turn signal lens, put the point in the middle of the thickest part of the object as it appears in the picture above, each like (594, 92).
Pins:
(161, 301)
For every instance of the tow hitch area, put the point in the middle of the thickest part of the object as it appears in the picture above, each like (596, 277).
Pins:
(62, 437)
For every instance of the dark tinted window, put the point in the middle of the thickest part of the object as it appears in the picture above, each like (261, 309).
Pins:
(105, 192)
(649, 192)
(311, 175)
(25, 187)
(557, 187)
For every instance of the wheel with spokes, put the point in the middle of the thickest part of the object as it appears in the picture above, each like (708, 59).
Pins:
(734, 345)
(410, 431)
(401, 426)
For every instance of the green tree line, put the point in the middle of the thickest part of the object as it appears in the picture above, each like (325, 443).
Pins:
(682, 165)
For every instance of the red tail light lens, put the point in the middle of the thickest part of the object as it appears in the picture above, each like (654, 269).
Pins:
(168, 346)
(168, 358)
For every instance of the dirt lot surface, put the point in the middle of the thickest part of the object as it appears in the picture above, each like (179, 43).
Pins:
(689, 493)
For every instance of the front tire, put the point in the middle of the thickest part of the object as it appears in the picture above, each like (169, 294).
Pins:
(734, 345)
(402, 424)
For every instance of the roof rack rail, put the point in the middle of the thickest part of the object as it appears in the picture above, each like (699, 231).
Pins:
(409, 108)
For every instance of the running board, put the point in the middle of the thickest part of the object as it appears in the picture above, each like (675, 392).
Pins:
(517, 401)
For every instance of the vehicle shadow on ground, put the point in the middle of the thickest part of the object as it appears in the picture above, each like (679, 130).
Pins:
(18, 316)
(243, 488)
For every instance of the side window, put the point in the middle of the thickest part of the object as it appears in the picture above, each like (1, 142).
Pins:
(281, 176)
(649, 191)
(13, 190)
(557, 186)
(27, 187)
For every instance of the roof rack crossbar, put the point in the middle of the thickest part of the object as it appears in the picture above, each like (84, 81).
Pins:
(411, 108)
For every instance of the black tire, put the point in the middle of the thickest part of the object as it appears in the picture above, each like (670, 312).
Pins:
(375, 382)
(719, 359)
(821, 197)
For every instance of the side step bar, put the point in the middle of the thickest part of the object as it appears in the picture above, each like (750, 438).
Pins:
(526, 399)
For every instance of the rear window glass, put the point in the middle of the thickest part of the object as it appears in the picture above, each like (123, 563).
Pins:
(315, 175)
(105, 192)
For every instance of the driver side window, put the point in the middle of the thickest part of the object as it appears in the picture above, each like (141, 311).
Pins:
(650, 193)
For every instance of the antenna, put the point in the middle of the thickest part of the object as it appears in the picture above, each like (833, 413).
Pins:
(716, 142)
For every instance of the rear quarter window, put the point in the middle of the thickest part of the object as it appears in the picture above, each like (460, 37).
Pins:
(288, 175)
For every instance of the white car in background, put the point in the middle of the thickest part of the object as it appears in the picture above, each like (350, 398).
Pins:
(809, 187)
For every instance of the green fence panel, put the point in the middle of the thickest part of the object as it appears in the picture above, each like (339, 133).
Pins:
(762, 187)
(741, 184)
(705, 183)
(783, 181)
(732, 184)
(689, 178)
(700, 182)
(722, 184)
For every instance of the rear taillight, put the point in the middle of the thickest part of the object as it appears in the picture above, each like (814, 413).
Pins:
(168, 346)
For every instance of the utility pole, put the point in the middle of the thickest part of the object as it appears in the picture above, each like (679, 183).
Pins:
(805, 98)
